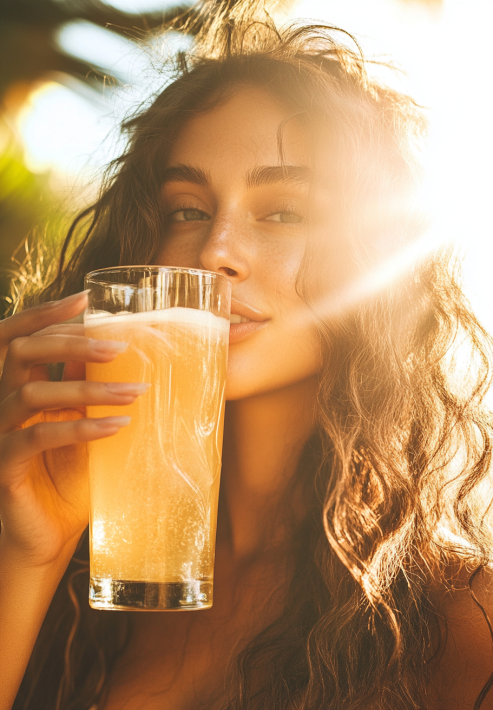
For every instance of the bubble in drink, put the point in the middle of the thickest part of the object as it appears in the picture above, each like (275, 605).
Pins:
(154, 506)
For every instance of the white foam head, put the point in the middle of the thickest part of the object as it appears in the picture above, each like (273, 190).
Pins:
(189, 316)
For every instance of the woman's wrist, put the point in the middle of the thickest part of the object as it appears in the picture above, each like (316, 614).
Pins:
(16, 559)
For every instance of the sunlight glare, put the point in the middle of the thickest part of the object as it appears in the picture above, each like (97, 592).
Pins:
(388, 272)
(60, 127)
(446, 56)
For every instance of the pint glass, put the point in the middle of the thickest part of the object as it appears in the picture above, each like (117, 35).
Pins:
(154, 485)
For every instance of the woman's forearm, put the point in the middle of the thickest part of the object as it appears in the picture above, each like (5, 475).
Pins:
(25, 595)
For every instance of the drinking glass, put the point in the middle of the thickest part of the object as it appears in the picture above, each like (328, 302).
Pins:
(154, 485)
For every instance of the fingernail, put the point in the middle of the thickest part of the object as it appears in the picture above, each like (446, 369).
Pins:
(127, 387)
(103, 347)
(112, 422)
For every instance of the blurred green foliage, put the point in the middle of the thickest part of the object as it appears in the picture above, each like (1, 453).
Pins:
(25, 201)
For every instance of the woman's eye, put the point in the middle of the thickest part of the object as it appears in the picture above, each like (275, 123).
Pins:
(285, 217)
(189, 215)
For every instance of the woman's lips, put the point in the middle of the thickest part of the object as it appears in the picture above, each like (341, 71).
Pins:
(240, 331)
(253, 320)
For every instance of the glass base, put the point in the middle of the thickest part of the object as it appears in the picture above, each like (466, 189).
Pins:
(106, 593)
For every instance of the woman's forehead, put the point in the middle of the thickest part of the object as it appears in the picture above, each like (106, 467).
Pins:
(251, 128)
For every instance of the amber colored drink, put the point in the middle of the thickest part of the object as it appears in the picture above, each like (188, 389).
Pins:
(155, 484)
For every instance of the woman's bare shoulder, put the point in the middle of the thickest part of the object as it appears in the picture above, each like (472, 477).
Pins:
(465, 662)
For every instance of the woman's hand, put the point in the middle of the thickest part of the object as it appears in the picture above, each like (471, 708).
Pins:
(43, 429)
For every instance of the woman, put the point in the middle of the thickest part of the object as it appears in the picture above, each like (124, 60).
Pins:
(353, 544)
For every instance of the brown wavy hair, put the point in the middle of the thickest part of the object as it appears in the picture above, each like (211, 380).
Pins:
(395, 476)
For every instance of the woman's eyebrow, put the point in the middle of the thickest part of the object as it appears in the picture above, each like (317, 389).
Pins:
(260, 175)
(186, 173)
(268, 174)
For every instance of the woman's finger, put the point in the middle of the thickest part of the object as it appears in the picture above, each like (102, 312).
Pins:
(35, 397)
(24, 353)
(46, 314)
(18, 447)
(62, 329)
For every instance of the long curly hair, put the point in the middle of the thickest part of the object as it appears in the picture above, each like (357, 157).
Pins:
(396, 475)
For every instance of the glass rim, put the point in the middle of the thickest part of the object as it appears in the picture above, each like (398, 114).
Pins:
(90, 276)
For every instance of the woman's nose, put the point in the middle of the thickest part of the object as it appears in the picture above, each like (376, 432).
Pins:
(225, 250)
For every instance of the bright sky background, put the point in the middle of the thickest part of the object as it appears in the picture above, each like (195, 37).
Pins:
(141, 5)
(444, 52)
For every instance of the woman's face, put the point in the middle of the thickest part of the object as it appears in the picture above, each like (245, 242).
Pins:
(232, 208)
